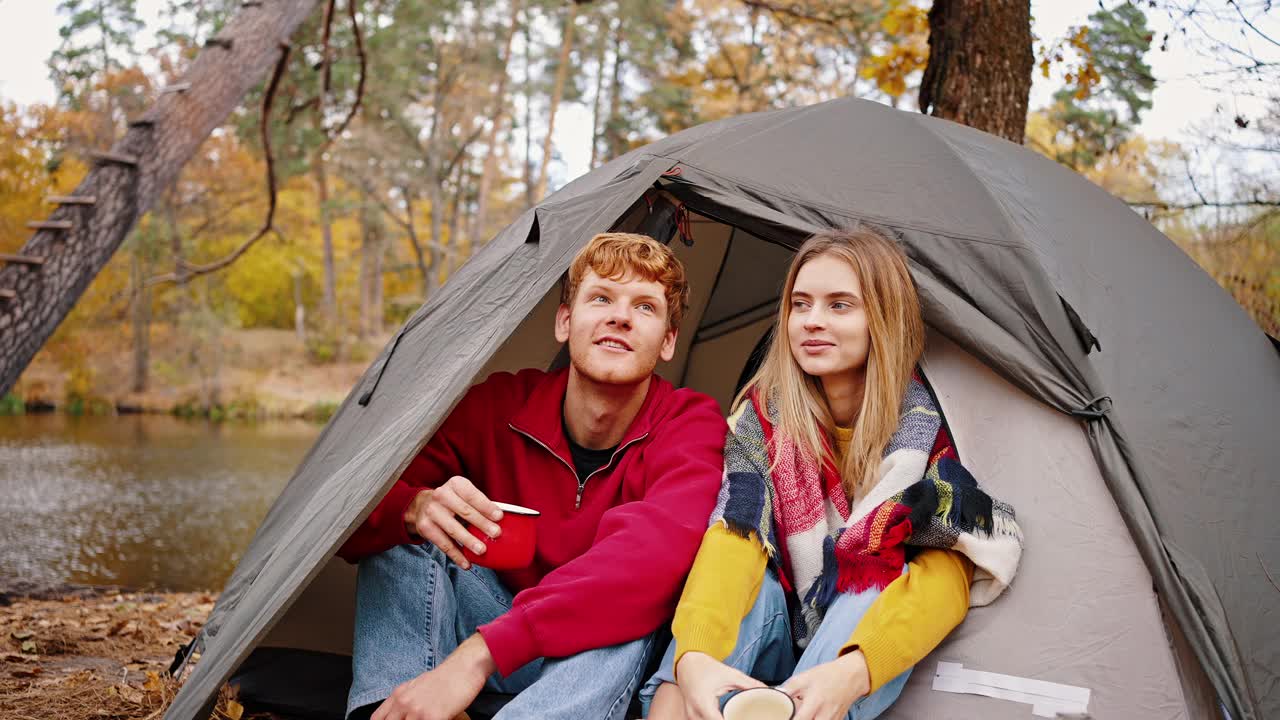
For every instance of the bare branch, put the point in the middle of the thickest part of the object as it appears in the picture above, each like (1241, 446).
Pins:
(326, 66)
(462, 151)
(1204, 204)
(1191, 177)
(216, 219)
(405, 222)
(1250, 24)
(189, 270)
(364, 67)
(296, 109)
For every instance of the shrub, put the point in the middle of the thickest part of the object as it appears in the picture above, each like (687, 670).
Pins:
(11, 404)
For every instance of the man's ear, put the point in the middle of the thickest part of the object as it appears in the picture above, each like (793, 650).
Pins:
(669, 345)
(562, 323)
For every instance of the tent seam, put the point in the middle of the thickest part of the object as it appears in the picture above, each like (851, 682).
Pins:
(851, 215)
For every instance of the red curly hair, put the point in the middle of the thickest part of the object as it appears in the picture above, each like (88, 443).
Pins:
(629, 255)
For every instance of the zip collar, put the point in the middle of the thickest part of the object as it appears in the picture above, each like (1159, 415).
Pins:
(541, 418)
(582, 482)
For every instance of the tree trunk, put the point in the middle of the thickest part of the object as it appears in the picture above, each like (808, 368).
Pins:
(175, 239)
(980, 62)
(562, 74)
(435, 196)
(420, 259)
(366, 245)
(376, 300)
(219, 78)
(108, 118)
(480, 225)
(528, 112)
(185, 299)
(613, 125)
(371, 249)
(213, 387)
(141, 320)
(326, 233)
(299, 309)
(455, 211)
(601, 52)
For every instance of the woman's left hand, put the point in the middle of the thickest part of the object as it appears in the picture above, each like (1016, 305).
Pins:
(826, 692)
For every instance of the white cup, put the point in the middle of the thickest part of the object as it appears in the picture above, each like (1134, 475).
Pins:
(760, 704)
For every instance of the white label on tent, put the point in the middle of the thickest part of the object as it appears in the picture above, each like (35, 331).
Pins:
(1047, 700)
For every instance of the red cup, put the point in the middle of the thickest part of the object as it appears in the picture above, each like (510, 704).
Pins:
(514, 546)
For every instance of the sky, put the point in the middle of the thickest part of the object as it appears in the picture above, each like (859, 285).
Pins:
(1181, 104)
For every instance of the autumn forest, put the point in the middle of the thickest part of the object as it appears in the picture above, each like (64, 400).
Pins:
(394, 137)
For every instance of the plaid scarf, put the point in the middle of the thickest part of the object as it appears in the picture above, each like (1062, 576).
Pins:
(820, 546)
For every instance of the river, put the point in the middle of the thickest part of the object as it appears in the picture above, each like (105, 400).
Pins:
(142, 501)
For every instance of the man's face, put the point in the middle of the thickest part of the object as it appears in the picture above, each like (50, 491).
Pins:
(616, 329)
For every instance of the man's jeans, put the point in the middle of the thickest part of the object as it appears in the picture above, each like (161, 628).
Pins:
(765, 652)
(414, 606)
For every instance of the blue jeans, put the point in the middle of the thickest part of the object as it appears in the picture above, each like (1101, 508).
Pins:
(414, 606)
(765, 651)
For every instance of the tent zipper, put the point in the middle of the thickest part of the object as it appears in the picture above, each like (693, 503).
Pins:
(582, 483)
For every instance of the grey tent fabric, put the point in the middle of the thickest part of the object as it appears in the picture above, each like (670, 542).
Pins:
(1050, 283)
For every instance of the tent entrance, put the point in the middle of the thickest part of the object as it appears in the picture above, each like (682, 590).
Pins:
(1096, 625)
(735, 278)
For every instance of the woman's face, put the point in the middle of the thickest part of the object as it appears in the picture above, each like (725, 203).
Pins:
(827, 330)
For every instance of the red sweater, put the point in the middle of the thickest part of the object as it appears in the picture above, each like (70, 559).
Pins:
(606, 573)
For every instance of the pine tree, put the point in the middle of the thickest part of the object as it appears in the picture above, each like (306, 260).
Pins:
(1106, 96)
(97, 41)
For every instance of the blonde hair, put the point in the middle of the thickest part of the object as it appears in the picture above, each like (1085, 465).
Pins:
(897, 342)
(617, 255)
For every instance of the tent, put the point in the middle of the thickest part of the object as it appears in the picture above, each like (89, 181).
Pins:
(1091, 374)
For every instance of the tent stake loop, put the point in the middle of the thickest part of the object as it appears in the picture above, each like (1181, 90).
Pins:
(1093, 409)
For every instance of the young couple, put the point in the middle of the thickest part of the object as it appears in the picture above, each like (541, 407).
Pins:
(826, 544)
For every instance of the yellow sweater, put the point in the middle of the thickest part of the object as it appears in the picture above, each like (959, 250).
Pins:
(908, 620)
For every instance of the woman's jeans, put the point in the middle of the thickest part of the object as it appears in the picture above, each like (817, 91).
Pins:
(414, 606)
(765, 651)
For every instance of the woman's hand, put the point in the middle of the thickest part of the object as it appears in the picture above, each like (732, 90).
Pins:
(826, 692)
(702, 680)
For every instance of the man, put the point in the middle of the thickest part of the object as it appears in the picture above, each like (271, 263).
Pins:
(624, 469)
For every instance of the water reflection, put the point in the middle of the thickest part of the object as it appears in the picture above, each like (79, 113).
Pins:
(141, 501)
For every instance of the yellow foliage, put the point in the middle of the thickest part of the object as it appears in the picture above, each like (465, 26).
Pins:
(27, 170)
(1080, 69)
(905, 19)
(1129, 171)
(749, 59)
(890, 70)
(909, 52)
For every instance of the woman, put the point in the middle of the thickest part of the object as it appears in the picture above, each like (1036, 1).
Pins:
(838, 469)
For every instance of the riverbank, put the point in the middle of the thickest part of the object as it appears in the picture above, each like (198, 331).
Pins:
(81, 653)
(254, 374)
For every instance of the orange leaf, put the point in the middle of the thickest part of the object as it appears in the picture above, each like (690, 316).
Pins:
(153, 683)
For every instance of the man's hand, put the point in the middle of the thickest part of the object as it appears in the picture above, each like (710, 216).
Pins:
(826, 692)
(433, 516)
(702, 680)
(443, 693)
